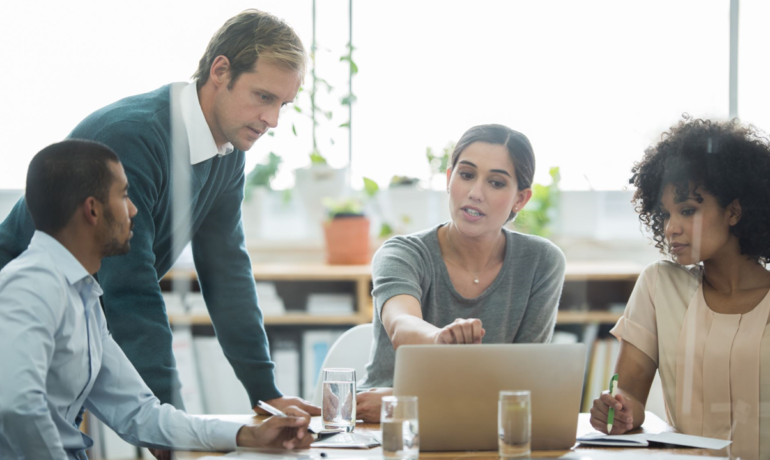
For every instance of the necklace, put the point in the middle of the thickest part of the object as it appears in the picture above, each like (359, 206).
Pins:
(457, 256)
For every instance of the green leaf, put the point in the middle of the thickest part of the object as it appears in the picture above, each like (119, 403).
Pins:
(298, 109)
(370, 187)
(328, 115)
(294, 129)
(385, 230)
(353, 68)
(271, 133)
(349, 99)
(316, 158)
(286, 197)
(345, 125)
(263, 173)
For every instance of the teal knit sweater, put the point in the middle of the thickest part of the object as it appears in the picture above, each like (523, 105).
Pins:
(138, 129)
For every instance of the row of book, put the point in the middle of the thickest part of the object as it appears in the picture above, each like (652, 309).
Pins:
(603, 355)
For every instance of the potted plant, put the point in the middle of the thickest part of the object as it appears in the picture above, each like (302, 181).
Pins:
(255, 195)
(346, 232)
(537, 216)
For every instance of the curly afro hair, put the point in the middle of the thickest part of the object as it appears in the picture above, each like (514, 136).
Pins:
(726, 159)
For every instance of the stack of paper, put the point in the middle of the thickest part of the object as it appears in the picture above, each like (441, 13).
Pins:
(270, 302)
(330, 304)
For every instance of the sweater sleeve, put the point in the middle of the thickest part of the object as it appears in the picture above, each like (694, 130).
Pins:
(133, 303)
(540, 317)
(15, 232)
(227, 285)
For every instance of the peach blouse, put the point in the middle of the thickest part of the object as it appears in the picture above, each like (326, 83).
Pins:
(715, 368)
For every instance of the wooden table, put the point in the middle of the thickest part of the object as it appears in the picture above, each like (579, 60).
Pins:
(652, 424)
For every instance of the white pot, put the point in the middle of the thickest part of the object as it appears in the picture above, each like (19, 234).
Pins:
(251, 214)
(268, 216)
(411, 209)
(312, 185)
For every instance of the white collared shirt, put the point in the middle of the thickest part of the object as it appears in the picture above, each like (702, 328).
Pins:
(199, 138)
(58, 358)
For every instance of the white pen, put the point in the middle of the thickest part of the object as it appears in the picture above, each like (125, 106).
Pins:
(270, 409)
(277, 412)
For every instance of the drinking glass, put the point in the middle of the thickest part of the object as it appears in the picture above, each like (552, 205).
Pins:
(514, 424)
(400, 428)
(339, 399)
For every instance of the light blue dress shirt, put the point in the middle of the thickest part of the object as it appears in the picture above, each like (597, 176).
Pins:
(58, 358)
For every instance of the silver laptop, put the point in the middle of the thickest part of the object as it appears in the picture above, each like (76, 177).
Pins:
(458, 386)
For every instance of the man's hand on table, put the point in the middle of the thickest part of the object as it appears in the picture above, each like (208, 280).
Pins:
(369, 403)
(285, 401)
(288, 432)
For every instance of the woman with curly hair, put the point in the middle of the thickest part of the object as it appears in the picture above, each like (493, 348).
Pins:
(702, 322)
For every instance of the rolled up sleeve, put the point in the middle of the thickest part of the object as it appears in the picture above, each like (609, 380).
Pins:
(638, 324)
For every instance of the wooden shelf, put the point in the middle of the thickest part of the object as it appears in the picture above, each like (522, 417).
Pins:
(602, 271)
(586, 317)
(296, 272)
(299, 319)
(362, 275)
(575, 271)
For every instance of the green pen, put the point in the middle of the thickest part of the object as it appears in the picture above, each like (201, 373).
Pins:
(613, 392)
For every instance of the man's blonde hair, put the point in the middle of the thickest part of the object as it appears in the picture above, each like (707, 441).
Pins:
(249, 36)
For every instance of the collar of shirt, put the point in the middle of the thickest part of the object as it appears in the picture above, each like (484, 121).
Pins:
(199, 137)
(64, 261)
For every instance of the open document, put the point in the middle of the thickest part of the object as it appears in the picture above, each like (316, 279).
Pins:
(644, 440)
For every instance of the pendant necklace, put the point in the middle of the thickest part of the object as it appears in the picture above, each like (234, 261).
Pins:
(457, 256)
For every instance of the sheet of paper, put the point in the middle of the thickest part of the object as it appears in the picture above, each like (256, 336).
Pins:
(346, 441)
(689, 441)
(623, 440)
(615, 455)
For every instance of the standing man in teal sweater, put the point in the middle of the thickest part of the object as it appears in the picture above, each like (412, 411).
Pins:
(252, 67)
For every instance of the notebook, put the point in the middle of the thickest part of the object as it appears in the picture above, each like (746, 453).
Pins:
(644, 439)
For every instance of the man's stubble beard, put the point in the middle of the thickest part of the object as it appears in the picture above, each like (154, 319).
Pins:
(113, 246)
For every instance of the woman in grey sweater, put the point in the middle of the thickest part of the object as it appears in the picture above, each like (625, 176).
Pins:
(469, 280)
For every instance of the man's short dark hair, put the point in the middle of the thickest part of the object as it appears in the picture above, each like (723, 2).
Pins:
(60, 178)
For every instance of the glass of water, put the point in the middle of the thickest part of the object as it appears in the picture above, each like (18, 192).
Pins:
(400, 428)
(514, 424)
(339, 399)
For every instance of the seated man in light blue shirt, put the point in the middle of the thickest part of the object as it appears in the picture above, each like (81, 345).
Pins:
(58, 358)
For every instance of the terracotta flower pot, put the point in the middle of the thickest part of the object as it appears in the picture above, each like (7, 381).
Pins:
(347, 241)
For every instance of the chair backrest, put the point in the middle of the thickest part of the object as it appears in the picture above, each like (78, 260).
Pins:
(350, 350)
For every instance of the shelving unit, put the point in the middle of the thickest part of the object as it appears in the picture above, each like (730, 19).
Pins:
(585, 284)
(591, 303)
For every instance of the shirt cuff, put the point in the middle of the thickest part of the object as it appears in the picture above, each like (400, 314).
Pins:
(224, 434)
(636, 335)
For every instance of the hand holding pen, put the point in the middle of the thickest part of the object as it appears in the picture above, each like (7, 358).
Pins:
(284, 430)
(612, 413)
